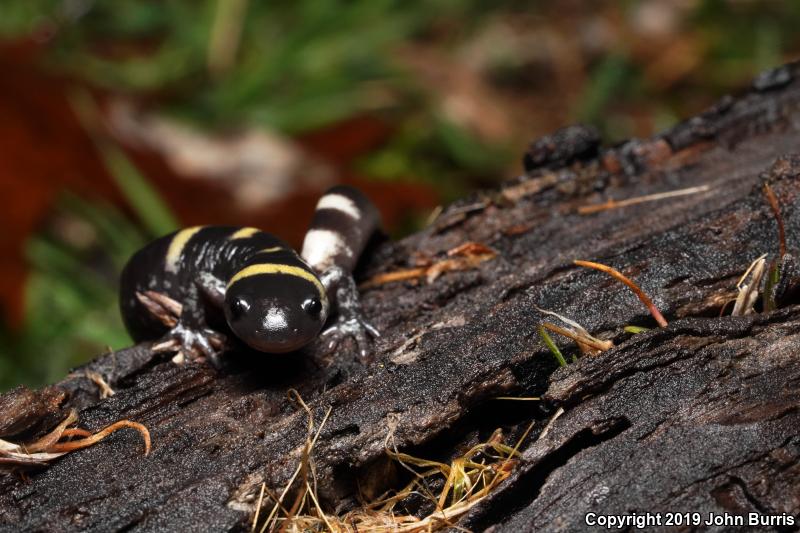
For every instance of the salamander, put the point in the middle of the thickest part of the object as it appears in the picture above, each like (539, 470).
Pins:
(243, 284)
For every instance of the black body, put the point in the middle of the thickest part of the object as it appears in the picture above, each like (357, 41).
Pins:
(210, 250)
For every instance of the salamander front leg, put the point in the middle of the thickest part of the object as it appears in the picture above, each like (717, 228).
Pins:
(193, 344)
(351, 322)
(189, 341)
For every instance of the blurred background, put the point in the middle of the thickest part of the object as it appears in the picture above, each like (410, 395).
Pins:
(120, 121)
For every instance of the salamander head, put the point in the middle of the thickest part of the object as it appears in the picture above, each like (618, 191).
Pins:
(276, 312)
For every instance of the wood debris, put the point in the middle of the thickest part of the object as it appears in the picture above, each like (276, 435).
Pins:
(749, 292)
(463, 257)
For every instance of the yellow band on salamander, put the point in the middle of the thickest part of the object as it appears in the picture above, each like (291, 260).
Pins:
(271, 250)
(176, 246)
(275, 268)
(244, 233)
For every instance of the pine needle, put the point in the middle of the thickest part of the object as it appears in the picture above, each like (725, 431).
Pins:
(520, 398)
(616, 274)
(772, 200)
(258, 507)
(463, 257)
(616, 204)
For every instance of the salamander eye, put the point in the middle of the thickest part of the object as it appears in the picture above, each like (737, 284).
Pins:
(312, 306)
(239, 307)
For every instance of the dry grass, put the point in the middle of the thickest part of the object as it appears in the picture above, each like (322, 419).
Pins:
(465, 482)
(748, 286)
(587, 343)
(305, 513)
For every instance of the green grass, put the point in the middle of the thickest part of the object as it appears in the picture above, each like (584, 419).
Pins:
(548, 341)
(70, 296)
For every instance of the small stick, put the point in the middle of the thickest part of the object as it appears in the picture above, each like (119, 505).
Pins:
(614, 204)
(471, 249)
(635, 288)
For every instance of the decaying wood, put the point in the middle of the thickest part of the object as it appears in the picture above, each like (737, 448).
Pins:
(700, 416)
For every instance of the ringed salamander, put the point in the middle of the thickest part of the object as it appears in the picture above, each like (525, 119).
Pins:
(246, 283)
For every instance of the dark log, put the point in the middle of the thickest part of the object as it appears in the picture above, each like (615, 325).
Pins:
(701, 416)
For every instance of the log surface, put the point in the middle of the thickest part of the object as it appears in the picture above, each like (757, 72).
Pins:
(701, 416)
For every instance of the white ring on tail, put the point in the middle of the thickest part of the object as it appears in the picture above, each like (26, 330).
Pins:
(341, 203)
(321, 246)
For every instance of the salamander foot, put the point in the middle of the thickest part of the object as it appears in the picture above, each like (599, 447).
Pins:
(351, 322)
(193, 345)
(190, 343)
(356, 328)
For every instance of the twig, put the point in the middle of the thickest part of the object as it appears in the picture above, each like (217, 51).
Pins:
(161, 306)
(47, 448)
(76, 432)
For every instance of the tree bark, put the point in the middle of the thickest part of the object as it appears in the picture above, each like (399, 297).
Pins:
(701, 416)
